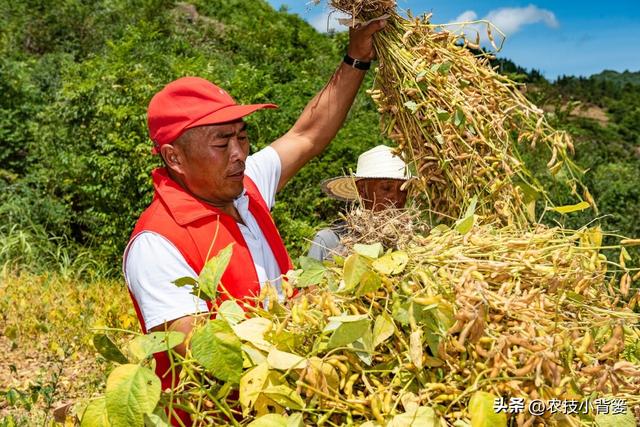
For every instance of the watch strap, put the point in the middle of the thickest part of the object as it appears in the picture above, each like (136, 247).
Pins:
(356, 63)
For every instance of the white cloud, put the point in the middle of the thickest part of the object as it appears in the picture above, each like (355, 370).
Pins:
(468, 15)
(509, 20)
(328, 20)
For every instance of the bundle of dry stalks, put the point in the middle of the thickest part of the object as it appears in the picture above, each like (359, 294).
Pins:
(456, 119)
(496, 312)
(393, 228)
(431, 333)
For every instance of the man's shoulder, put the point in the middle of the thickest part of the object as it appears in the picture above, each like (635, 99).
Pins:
(327, 238)
(327, 234)
(325, 243)
(148, 242)
(263, 169)
(261, 161)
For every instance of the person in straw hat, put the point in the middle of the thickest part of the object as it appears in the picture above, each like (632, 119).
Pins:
(378, 184)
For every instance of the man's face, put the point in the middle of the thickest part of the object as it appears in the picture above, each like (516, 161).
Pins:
(212, 161)
(381, 193)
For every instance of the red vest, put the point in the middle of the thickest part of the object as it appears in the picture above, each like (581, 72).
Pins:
(191, 226)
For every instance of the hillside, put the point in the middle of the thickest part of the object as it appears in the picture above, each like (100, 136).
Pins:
(626, 77)
(75, 82)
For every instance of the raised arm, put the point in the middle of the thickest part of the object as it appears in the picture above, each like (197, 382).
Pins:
(325, 113)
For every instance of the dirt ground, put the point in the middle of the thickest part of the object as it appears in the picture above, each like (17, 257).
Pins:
(591, 112)
(36, 381)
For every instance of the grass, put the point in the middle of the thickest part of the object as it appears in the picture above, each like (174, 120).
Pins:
(45, 333)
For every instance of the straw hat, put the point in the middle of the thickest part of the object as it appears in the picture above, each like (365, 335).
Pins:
(379, 162)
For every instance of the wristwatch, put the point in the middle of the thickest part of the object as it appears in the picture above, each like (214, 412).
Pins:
(356, 63)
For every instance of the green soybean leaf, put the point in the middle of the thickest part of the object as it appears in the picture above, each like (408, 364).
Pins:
(251, 385)
(348, 332)
(471, 209)
(369, 282)
(185, 281)
(345, 318)
(295, 420)
(371, 251)
(440, 229)
(254, 356)
(269, 420)
(618, 420)
(443, 115)
(383, 328)
(354, 268)
(433, 341)
(153, 420)
(313, 272)
(285, 396)
(365, 343)
(132, 391)
(392, 263)
(284, 361)
(482, 412)
(144, 346)
(444, 67)
(459, 118)
(573, 296)
(529, 192)
(230, 311)
(216, 347)
(95, 414)
(400, 312)
(465, 224)
(421, 416)
(212, 272)
(571, 208)
(412, 106)
(108, 349)
(253, 330)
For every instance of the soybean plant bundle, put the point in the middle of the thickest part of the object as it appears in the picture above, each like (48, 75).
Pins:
(431, 334)
(457, 120)
(426, 335)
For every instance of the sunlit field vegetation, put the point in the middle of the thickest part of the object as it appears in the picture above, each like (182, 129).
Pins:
(75, 160)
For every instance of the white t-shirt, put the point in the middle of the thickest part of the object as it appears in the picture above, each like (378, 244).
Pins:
(152, 263)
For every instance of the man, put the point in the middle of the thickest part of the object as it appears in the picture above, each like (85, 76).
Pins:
(377, 183)
(211, 194)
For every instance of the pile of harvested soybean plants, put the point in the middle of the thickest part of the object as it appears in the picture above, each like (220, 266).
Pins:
(466, 313)
(456, 120)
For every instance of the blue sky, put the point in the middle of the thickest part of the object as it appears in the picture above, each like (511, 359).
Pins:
(556, 37)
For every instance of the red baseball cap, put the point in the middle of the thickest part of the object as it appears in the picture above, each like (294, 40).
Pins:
(189, 102)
